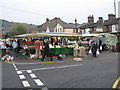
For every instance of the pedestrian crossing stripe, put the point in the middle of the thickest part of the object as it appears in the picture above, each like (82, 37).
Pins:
(25, 83)
(19, 72)
(29, 71)
(16, 69)
(39, 83)
(21, 76)
(33, 75)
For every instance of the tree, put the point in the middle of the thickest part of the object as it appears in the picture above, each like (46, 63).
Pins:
(17, 29)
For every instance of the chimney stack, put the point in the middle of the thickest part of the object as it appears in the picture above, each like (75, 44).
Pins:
(75, 20)
(47, 19)
(100, 19)
(90, 19)
(111, 16)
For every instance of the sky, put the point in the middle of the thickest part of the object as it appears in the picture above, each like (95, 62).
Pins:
(36, 11)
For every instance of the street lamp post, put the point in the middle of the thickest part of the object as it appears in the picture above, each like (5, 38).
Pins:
(2, 32)
(29, 28)
(75, 25)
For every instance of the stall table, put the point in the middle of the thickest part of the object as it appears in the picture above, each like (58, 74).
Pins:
(56, 51)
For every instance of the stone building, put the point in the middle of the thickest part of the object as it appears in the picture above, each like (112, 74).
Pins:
(57, 25)
(101, 26)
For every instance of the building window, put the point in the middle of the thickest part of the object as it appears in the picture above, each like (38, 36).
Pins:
(55, 30)
(61, 30)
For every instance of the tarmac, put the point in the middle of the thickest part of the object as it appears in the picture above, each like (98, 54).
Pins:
(22, 59)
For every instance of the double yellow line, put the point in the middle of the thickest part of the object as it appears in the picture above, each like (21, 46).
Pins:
(33, 63)
(116, 83)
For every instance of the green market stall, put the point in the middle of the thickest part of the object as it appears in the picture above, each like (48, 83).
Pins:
(57, 51)
(109, 40)
(54, 50)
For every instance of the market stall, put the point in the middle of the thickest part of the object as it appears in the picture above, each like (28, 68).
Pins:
(109, 40)
(55, 50)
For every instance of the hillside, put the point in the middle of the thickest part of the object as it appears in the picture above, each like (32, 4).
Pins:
(6, 25)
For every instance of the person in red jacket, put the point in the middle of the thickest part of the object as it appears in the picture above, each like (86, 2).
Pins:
(37, 48)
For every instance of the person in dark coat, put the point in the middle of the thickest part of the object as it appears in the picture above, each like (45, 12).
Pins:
(18, 48)
(100, 44)
(52, 41)
(46, 50)
(94, 48)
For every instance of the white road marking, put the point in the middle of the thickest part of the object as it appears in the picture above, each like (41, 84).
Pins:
(33, 75)
(22, 76)
(19, 72)
(29, 71)
(39, 83)
(26, 83)
(55, 67)
(14, 66)
(117, 53)
(16, 69)
(44, 88)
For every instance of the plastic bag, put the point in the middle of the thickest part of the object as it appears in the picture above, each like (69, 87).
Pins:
(90, 51)
(100, 47)
(98, 52)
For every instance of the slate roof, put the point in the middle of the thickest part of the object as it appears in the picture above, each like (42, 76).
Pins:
(52, 24)
(83, 26)
(95, 25)
(111, 22)
(105, 23)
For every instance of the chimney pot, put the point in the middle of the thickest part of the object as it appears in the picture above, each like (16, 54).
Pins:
(90, 19)
(111, 16)
(47, 19)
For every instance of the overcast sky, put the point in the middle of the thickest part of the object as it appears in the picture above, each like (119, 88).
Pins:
(36, 11)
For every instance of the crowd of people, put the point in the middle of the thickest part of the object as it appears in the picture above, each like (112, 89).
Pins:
(17, 46)
(42, 48)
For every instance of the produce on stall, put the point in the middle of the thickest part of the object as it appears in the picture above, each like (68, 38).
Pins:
(109, 40)
(62, 49)
(70, 47)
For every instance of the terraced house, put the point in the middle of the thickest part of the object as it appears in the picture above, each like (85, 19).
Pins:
(101, 26)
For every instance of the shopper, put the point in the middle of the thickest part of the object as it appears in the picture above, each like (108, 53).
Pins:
(94, 48)
(14, 47)
(90, 44)
(18, 48)
(46, 50)
(3, 47)
(100, 44)
(37, 48)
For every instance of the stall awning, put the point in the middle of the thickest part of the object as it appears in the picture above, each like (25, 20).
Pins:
(90, 35)
(48, 35)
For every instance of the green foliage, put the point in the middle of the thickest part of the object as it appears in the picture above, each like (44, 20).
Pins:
(73, 38)
(17, 29)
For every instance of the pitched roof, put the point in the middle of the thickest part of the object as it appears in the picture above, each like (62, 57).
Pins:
(52, 24)
(83, 26)
(95, 25)
(105, 23)
(111, 22)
